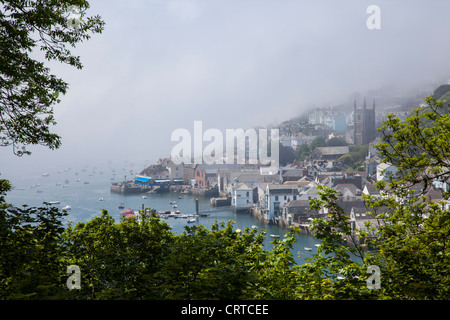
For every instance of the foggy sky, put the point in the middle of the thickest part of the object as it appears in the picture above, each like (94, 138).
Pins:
(162, 64)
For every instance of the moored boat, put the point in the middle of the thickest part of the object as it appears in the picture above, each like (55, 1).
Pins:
(126, 212)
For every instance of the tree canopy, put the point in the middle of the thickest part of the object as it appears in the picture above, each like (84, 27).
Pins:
(28, 90)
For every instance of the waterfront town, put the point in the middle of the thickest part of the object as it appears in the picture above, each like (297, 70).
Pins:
(332, 147)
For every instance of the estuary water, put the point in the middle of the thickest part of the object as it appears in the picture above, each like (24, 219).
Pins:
(86, 190)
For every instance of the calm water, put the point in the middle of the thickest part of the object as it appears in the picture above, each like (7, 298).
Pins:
(86, 185)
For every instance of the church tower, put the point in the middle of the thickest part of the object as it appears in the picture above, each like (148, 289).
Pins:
(364, 124)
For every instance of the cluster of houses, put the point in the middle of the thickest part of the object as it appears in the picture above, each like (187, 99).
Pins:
(282, 197)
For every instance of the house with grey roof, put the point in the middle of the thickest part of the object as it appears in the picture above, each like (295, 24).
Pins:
(242, 198)
(298, 211)
(348, 192)
(274, 197)
(329, 153)
(361, 220)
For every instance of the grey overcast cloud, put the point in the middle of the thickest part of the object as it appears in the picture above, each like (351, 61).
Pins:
(162, 64)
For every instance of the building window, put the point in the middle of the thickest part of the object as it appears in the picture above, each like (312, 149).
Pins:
(248, 193)
(276, 198)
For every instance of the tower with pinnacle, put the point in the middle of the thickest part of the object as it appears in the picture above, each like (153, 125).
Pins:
(364, 124)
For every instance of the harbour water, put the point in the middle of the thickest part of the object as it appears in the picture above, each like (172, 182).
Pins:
(87, 191)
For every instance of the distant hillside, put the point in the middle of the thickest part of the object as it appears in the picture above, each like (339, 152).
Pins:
(446, 97)
(443, 90)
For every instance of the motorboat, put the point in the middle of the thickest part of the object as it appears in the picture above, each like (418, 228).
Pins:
(308, 249)
(127, 212)
(54, 202)
(121, 206)
(275, 236)
(191, 220)
(67, 207)
(254, 227)
(101, 199)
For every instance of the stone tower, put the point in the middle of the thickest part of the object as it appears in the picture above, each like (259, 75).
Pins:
(364, 124)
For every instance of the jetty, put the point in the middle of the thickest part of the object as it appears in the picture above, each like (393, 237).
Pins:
(127, 188)
(220, 202)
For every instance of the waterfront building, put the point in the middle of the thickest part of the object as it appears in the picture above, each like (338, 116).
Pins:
(242, 197)
(275, 197)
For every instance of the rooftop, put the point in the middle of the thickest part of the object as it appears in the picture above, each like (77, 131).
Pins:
(333, 150)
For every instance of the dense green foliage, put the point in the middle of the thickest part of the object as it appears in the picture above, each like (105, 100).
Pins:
(28, 90)
(355, 158)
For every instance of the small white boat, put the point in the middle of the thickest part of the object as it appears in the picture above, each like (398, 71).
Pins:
(144, 197)
(317, 244)
(173, 202)
(254, 227)
(101, 199)
(308, 249)
(45, 174)
(275, 236)
(54, 202)
(121, 206)
(191, 220)
(67, 207)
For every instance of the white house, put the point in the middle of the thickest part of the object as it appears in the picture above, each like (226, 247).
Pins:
(275, 197)
(241, 197)
(384, 170)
